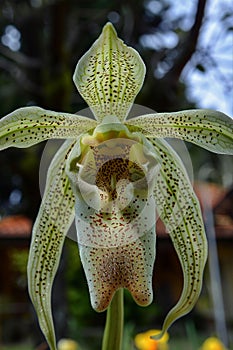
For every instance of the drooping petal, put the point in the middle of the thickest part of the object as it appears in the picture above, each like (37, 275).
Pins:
(115, 213)
(53, 221)
(109, 75)
(209, 129)
(129, 266)
(30, 125)
(179, 209)
(117, 248)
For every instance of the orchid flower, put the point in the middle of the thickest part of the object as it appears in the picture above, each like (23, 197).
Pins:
(112, 175)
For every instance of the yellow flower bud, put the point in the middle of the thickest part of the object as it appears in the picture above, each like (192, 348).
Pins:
(143, 341)
(67, 344)
(212, 343)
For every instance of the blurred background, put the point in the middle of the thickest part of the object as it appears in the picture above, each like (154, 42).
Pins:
(187, 47)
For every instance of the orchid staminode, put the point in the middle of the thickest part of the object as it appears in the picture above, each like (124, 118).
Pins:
(112, 175)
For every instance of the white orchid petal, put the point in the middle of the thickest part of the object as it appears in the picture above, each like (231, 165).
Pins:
(53, 221)
(129, 266)
(179, 209)
(30, 125)
(109, 75)
(113, 181)
(208, 129)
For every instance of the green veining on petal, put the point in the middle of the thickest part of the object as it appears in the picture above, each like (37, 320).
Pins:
(179, 209)
(208, 129)
(53, 221)
(30, 125)
(109, 75)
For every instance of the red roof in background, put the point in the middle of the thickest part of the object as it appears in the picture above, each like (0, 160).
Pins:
(19, 226)
(211, 193)
(220, 201)
(215, 196)
(16, 226)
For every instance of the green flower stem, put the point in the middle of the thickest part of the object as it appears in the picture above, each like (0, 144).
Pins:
(113, 332)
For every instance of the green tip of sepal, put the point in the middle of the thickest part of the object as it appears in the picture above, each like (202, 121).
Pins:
(109, 29)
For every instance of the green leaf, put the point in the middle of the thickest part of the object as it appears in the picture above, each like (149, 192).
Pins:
(109, 75)
(53, 221)
(30, 125)
(179, 209)
(208, 129)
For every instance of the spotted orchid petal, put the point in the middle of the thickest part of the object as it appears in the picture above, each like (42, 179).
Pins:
(179, 209)
(53, 221)
(128, 266)
(206, 128)
(109, 75)
(30, 125)
(112, 180)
